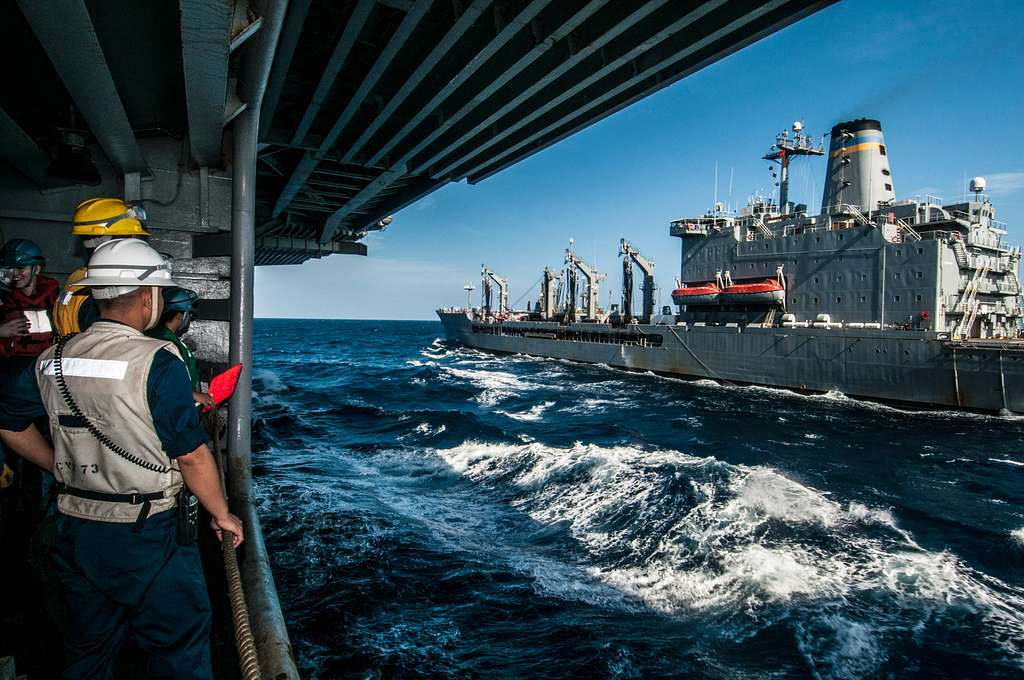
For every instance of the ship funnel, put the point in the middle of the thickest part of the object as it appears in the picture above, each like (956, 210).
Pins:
(858, 167)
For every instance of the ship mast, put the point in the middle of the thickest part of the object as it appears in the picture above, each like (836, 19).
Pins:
(782, 152)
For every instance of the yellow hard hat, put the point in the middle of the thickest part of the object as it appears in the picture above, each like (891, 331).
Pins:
(108, 217)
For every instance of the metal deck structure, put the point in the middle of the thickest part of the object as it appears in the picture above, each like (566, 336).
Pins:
(262, 132)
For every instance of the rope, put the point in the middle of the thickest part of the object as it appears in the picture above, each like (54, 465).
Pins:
(247, 659)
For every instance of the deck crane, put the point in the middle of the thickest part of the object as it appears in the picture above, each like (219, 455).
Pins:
(647, 287)
(549, 293)
(594, 279)
(487, 276)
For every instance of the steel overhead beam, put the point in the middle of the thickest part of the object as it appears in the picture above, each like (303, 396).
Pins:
(286, 44)
(482, 168)
(353, 27)
(333, 185)
(65, 30)
(598, 43)
(21, 151)
(548, 103)
(384, 59)
(298, 177)
(528, 14)
(454, 34)
(538, 50)
(205, 48)
(284, 243)
(406, 197)
(371, 191)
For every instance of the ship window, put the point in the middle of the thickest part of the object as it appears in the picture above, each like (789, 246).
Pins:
(751, 265)
(816, 281)
(917, 298)
(899, 252)
(920, 275)
(839, 298)
(766, 246)
(920, 251)
(817, 239)
(863, 298)
(896, 276)
(885, 171)
(839, 278)
(794, 299)
(888, 187)
(895, 298)
(881, 149)
(863, 277)
(815, 300)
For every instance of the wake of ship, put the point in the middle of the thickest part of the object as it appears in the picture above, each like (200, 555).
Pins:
(433, 510)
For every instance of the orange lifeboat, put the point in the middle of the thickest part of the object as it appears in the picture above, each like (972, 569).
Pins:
(697, 294)
(765, 292)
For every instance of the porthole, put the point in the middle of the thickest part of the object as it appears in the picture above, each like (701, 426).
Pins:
(885, 171)
(888, 187)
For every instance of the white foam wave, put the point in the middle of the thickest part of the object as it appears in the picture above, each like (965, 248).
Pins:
(495, 386)
(266, 380)
(1007, 461)
(1018, 536)
(735, 538)
(531, 414)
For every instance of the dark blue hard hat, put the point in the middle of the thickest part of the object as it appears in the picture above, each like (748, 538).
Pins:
(20, 252)
(179, 299)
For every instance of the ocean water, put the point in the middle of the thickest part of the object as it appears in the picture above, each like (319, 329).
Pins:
(435, 511)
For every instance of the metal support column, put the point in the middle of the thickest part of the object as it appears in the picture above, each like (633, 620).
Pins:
(269, 631)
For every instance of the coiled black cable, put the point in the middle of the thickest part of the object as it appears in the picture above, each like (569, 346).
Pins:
(58, 373)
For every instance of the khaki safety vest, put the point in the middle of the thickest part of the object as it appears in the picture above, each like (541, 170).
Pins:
(106, 369)
(69, 301)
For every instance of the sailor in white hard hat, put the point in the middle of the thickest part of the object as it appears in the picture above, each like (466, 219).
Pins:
(126, 440)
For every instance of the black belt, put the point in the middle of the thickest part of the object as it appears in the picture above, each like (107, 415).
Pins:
(132, 498)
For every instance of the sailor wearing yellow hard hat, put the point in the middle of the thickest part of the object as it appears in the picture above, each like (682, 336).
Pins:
(97, 221)
(127, 439)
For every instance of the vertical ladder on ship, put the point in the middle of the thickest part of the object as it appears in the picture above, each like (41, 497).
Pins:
(969, 302)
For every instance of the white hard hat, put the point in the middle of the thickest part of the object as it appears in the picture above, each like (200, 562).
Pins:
(120, 266)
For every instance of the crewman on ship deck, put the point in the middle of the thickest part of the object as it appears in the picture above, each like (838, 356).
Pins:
(96, 221)
(126, 439)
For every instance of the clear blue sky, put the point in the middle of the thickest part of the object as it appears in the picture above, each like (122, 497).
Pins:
(945, 78)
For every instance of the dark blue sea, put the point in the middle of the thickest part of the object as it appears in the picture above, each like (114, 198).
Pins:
(435, 511)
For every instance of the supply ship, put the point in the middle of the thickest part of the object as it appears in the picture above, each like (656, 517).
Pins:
(913, 301)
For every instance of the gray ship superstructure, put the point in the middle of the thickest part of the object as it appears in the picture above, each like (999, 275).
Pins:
(913, 301)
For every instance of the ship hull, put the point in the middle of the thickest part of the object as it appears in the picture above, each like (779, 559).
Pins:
(911, 367)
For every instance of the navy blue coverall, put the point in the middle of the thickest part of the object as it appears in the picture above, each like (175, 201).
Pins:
(119, 584)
